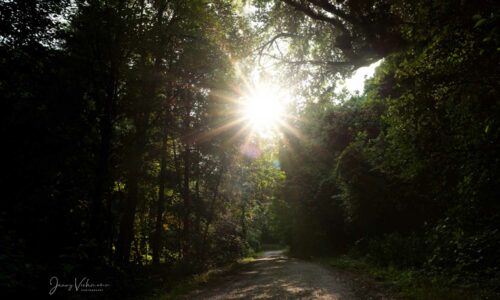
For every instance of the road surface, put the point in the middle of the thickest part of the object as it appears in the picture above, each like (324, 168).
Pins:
(275, 276)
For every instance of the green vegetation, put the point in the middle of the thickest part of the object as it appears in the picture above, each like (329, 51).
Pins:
(128, 158)
(198, 280)
(406, 173)
(409, 284)
(121, 166)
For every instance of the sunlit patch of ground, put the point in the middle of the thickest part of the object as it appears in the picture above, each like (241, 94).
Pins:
(275, 276)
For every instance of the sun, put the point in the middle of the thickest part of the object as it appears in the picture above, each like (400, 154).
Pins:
(264, 109)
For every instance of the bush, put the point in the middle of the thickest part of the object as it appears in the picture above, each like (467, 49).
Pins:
(394, 250)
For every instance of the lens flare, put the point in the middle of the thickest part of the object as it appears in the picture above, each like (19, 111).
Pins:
(264, 109)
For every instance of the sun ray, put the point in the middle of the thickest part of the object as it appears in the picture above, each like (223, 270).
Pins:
(219, 130)
(238, 133)
(263, 109)
(294, 131)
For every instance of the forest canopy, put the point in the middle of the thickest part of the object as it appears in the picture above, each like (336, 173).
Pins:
(161, 138)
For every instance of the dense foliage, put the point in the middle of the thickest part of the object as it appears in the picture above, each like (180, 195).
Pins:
(407, 173)
(116, 150)
(125, 159)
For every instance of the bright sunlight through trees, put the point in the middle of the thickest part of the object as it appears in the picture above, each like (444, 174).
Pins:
(264, 109)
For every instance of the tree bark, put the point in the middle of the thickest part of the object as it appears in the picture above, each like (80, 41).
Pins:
(126, 233)
(187, 204)
(157, 242)
(186, 193)
(210, 217)
(97, 230)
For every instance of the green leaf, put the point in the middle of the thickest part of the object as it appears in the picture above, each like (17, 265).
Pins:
(479, 23)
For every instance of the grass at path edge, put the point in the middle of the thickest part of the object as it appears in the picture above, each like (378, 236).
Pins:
(408, 284)
(198, 280)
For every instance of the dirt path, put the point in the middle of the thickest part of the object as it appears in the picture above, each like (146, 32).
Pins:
(276, 276)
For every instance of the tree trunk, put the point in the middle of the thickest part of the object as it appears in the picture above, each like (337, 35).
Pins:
(157, 242)
(187, 205)
(97, 229)
(126, 233)
(211, 213)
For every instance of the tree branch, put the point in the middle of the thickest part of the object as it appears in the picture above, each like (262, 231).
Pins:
(306, 9)
(271, 41)
(315, 62)
(327, 6)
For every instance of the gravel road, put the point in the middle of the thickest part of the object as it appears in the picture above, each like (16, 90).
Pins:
(275, 276)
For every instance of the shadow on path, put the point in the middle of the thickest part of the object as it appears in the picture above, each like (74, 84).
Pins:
(276, 276)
